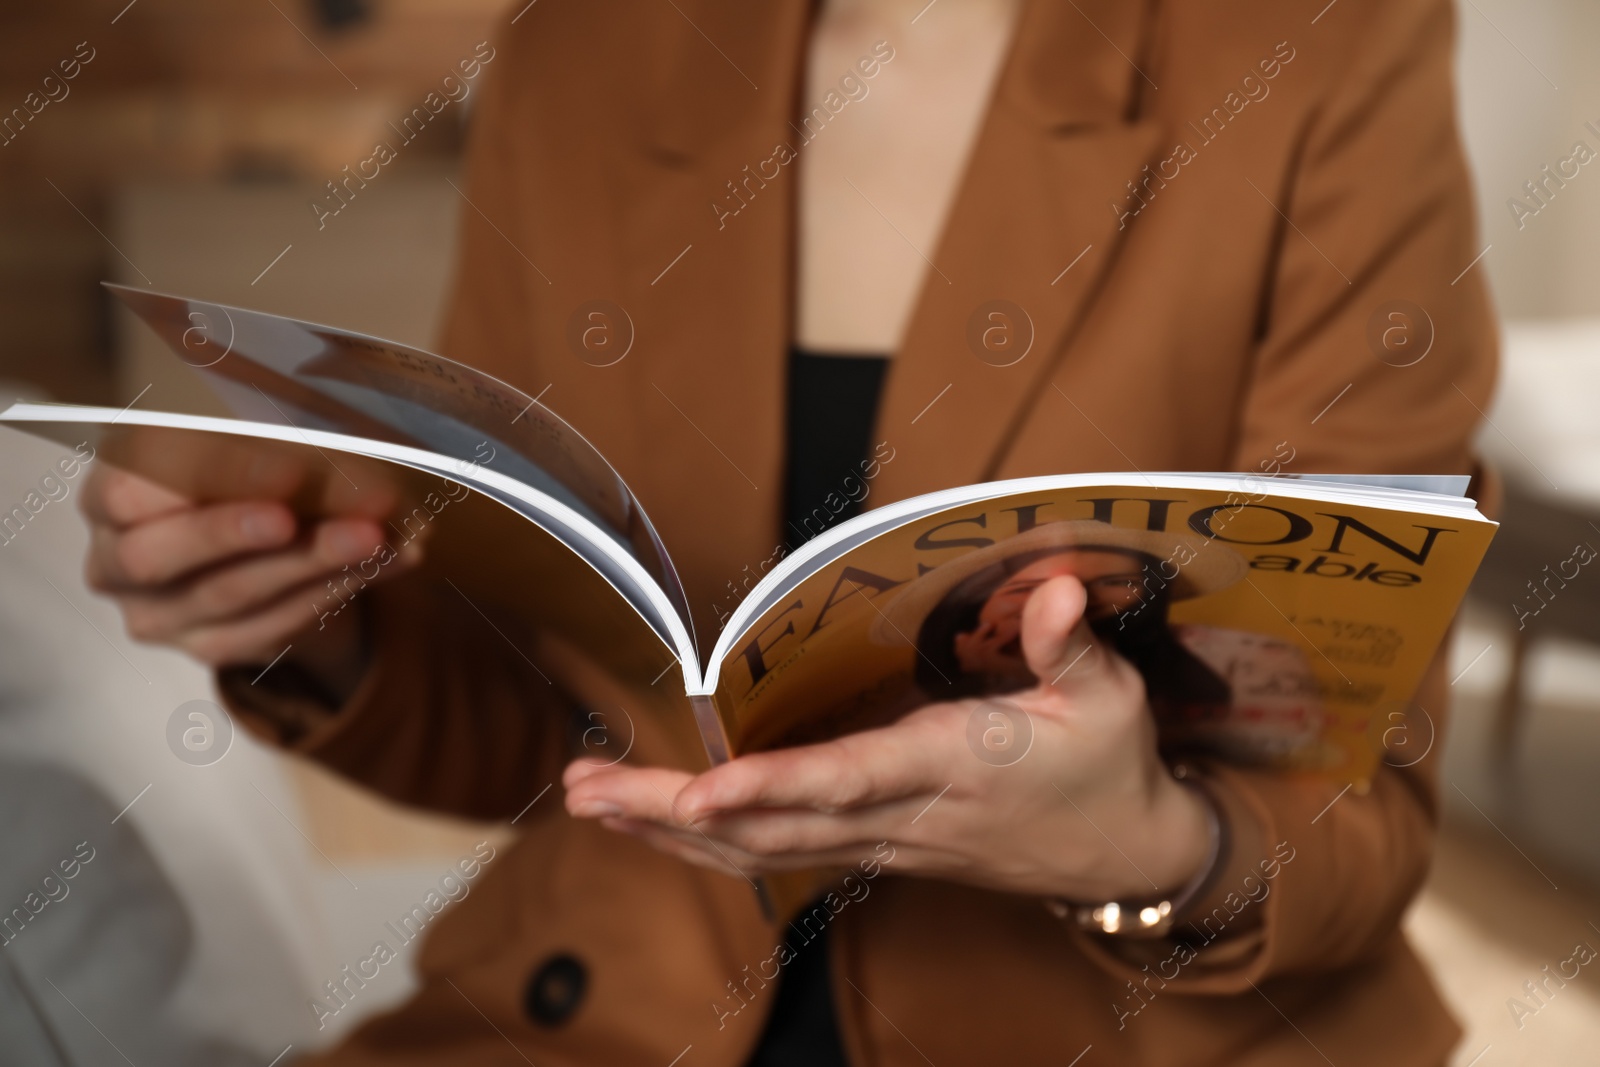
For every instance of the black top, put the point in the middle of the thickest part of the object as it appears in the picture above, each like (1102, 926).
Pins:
(833, 401)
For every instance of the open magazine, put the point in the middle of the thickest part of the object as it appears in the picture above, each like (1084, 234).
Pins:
(1277, 620)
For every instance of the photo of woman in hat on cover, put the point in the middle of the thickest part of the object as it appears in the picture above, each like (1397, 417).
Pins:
(1231, 691)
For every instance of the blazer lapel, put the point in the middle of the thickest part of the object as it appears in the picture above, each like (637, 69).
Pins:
(709, 295)
(1030, 238)
(718, 68)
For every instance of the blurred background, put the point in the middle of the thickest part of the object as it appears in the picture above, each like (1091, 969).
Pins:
(184, 155)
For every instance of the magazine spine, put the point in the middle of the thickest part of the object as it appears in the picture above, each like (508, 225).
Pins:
(714, 736)
(712, 733)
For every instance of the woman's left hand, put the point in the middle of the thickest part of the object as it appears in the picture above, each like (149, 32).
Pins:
(1072, 801)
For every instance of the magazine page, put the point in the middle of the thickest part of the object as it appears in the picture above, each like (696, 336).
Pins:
(528, 563)
(1274, 622)
(269, 368)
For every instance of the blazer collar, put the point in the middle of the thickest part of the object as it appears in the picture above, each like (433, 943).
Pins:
(1080, 62)
(723, 66)
(1072, 63)
(1031, 223)
(1030, 239)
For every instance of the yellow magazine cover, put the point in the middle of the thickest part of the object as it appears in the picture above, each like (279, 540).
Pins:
(1268, 629)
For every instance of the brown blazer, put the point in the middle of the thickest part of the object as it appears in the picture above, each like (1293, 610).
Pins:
(1224, 307)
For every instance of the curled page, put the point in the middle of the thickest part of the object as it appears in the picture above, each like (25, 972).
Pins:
(273, 369)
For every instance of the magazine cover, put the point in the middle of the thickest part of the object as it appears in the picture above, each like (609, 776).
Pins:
(1269, 630)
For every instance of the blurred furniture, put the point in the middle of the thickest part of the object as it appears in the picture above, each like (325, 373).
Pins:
(1544, 437)
(96, 931)
(1522, 578)
(78, 695)
(189, 91)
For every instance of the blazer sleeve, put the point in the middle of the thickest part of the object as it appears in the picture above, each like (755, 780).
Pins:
(449, 716)
(1381, 196)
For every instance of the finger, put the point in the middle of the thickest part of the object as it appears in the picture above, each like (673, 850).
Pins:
(211, 467)
(697, 851)
(577, 771)
(860, 769)
(118, 498)
(260, 634)
(258, 637)
(229, 591)
(161, 549)
(227, 469)
(729, 858)
(1056, 640)
(642, 793)
(362, 488)
(773, 833)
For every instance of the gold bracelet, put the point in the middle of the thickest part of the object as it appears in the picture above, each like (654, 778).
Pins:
(1154, 918)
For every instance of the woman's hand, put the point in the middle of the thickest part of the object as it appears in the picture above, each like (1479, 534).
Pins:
(1085, 810)
(230, 584)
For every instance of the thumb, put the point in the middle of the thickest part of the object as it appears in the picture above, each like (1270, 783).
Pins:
(1056, 639)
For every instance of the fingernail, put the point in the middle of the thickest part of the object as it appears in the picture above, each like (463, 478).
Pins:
(346, 545)
(260, 527)
(596, 809)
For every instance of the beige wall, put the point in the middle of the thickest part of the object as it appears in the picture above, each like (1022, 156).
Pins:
(1515, 122)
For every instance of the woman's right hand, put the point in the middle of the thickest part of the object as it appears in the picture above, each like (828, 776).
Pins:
(231, 583)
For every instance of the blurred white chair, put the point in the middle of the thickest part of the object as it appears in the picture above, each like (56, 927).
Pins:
(76, 693)
(1543, 433)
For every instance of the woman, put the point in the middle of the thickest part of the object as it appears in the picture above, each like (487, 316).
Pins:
(1094, 236)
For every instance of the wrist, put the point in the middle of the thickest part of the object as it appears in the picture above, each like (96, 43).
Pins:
(336, 655)
(1183, 839)
(1154, 845)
